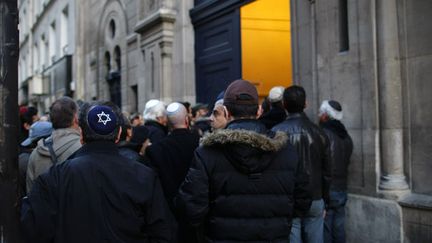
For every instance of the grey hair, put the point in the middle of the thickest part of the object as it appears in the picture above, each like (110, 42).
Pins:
(154, 109)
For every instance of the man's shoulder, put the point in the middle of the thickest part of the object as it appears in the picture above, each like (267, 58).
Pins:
(82, 160)
(41, 152)
(291, 125)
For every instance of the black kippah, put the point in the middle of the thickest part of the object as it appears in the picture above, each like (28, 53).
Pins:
(335, 105)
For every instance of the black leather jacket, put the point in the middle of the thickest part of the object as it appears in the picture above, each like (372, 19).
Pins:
(341, 147)
(312, 146)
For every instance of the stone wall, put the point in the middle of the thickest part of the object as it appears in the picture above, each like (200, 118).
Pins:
(382, 83)
(371, 220)
(156, 42)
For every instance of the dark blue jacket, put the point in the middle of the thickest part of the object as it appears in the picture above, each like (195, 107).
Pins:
(97, 196)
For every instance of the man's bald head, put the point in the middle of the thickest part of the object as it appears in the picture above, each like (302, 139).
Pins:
(177, 115)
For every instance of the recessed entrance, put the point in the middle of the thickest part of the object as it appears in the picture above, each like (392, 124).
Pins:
(266, 44)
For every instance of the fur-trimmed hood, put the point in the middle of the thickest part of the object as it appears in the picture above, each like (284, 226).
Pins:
(248, 151)
(251, 138)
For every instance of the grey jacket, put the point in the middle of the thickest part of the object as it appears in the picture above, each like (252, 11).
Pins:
(65, 142)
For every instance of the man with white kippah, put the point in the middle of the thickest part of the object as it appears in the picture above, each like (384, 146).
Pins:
(97, 195)
(155, 120)
(277, 113)
(171, 158)
(341, 146)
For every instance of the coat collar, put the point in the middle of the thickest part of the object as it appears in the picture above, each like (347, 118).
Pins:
(179, 131)
(156, 124)
(99, 147)
(300, 115)
(247, 124)
(241, 136)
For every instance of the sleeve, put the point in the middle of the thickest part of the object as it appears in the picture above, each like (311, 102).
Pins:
(154, 155)
(300, 141)
(302, 196)
(30, 174)
(40, 207)
(326, 169)
(302, 190)
(193, 197)
(160, 222)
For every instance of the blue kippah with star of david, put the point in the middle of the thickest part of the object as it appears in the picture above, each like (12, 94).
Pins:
(102, 119)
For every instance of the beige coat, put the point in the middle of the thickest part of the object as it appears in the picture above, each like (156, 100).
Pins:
(65, 142)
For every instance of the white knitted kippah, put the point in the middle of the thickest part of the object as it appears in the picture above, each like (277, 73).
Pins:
(329, 110)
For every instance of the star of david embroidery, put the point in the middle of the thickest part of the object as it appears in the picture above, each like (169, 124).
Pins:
(105, 120)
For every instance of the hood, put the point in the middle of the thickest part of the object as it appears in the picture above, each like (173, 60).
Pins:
(63, 139)
(249, 152)
(336, 126)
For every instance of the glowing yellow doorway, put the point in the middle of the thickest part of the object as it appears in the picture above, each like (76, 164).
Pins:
(266, 44)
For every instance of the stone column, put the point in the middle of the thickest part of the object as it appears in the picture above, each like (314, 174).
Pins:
(390, 97)
(166, 71)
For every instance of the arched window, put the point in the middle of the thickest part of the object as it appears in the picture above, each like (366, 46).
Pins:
(113, 78)
(112, 27)
(107, 62)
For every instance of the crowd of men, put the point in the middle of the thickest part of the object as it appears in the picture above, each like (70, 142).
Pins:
(242, 172)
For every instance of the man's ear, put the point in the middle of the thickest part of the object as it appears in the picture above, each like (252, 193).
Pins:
(75, 122)
(129, 133)
(81, 135)
(229, 117)
(187, 121)
(259, 111)
(118, 135)
(26, 126)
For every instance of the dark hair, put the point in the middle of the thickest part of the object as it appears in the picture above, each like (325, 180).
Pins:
(125, 125)
(186, 104)
(277, 104)
(265, 105)
(62, 112)
(242, 110)
(88, 134)
(133, 117)
(294, 98)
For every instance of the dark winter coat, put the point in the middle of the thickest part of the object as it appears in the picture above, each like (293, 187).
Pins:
(128, 150)
(273, 117)
(171, 158)
(156, 131)
(23, 159)
(242, 183)
(341, 147)
(312, 147)
(98, 196)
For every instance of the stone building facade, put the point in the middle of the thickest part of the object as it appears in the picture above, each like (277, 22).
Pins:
(374, 57)
(47, 46)
(131, 51)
